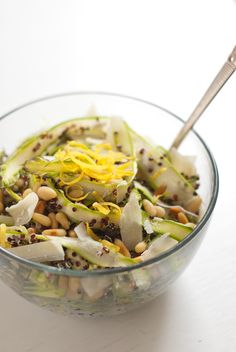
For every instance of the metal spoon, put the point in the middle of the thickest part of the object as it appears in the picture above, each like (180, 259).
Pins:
(222, 77)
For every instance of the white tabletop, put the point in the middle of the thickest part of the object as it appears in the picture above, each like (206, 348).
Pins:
(166, 52)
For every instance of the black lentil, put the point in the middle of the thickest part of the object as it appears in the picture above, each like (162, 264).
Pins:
(36, 147)
(92, 222)
(104, 221)
(141, 151)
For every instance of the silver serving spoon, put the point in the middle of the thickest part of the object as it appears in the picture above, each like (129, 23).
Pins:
(222, 77)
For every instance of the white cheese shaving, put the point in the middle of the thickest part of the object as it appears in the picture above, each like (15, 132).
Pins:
(23, 211)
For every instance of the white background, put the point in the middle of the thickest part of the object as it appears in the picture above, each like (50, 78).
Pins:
(166, 52)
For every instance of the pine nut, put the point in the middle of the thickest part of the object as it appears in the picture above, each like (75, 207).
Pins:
(54, 232)
(160, 212)
(194, 204)
(46, 193)
(26, 192)
(123, 249)
(54, 223)
(160, 190)
(176, 209)
(42, 219)
(72, 233)
(1, 207)
(140, 247)
(149, 207)
(40, 207)
(63, 220)
(182, 218)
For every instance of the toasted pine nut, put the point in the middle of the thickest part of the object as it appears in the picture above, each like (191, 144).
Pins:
(182, 218)
(194, 204)
(26, 192)
(160, 212)
(149, 207)
(42, 219)
(31, 230)
(140, 247)
(46, 193)
(1, 207)
(63, 220)
(176, 209)
(72, 233)
(54, 232)
(160, 190)
(63, 282)
(54, 223)
(40, 207)
(123, 249)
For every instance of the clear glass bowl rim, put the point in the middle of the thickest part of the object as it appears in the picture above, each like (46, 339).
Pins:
(118, 270)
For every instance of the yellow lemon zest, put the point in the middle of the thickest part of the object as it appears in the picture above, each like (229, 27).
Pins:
(77, 144)
(158, 173)
(124, 166)
(3, 230)
(102, 209)
(97, 196)
(101, 163)
(110, 245)
(91, 233)
(82, 157)
(76, 199)
(102, 146)
(112, 205)
(71, 182)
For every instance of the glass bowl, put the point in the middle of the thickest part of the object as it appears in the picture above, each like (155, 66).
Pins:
(109, 291)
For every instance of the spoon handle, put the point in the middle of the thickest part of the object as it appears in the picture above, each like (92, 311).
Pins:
(222, 77)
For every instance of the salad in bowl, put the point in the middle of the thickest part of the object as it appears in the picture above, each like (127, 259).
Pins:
(96, 218)
(91, 193)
